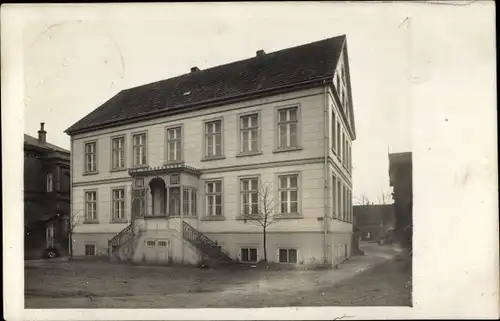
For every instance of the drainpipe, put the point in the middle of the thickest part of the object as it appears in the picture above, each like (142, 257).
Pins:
(325, 189)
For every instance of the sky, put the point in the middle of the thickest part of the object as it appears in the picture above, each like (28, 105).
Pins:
(74, 64)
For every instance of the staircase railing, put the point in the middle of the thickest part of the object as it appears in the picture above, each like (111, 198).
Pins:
(202, 242)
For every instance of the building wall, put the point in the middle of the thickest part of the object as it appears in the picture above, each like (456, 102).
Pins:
(308, 161)
(310, 104)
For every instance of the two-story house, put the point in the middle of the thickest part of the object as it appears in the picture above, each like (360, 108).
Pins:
(46, 196)
(165, 171)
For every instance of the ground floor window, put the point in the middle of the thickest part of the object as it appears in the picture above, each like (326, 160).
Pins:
(248, 254)
(288, 255)
(89, 249)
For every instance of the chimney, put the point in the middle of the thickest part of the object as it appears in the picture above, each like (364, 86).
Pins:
(195, 69)
(260, 53)
(42, 134)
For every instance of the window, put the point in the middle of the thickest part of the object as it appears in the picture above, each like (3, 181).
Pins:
(249, 133)
(334, 197)
(213, 138)
(349, 157)
(118, 204)
(334, 121)
(343, 149)
(249, 190)
(344, 191)
(287, 255)
(339, 200)
(338, 139)
(162, 243)
(174, 204)
(89, 249)
(288, 194)
(174, 144)
(214, 198)
(50, 181)
(150, 243)
(118, 153)
(90, 157)
(185, 201)
(248, 255)
(138, 202)
(175, 179)
(287, 127)
(193, 202)
(90, 206)
(139, 149)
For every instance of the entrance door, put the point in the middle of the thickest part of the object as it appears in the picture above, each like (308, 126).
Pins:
(150, 251)
(162, 247)
(157, 251)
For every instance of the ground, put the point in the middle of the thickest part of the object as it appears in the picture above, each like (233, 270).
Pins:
(379, 278)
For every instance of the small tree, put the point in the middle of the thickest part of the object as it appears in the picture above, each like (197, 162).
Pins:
(75, 219)
(262, 214)
(363, 200)
(384, 198)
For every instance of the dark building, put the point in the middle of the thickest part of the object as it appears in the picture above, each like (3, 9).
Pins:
(400, 173)
(373, 222)
(46, 196)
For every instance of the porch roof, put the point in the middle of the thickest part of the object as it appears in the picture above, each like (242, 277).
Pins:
(164, 169)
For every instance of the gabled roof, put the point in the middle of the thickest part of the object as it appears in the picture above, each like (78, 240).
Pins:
(32, 141)
(266, 73)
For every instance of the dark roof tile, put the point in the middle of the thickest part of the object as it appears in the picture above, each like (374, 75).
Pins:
(272, 70)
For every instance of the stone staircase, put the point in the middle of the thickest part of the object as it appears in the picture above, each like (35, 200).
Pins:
(122, 246)
(205, 245)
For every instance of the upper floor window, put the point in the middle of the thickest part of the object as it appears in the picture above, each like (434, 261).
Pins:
(189, 202)
(334, 197)
(333, 129)
(288, 194)
(174, 144)
(213, 194)
(118, 204)
(118, 153)
(249, 189)
(249, 133)
(91, 157)
(139, 149)
(288, 127)
(339, 200)
(50, 182)
(90, 205)
(213, 138)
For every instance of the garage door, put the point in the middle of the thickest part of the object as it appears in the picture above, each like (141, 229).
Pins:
(157, 250)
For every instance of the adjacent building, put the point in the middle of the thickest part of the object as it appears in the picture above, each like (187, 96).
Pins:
(373, 222)
(46, 196)
(168, 171)
(401, 179)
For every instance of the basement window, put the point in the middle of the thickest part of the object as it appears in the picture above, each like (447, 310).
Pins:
(248, 255)
(288, 255)
(89, 249)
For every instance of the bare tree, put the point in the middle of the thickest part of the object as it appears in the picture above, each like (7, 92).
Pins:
(75, 219)
(363, 200)
(384, 198)
(264, 213)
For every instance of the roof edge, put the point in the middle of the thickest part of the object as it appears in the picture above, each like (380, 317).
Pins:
(201, 105)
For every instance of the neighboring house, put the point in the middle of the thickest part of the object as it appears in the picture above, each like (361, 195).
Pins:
(373, 221)
(171, 166)
(46, 195)
(400, 173)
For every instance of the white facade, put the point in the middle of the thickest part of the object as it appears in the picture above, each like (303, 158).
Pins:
(102, 195)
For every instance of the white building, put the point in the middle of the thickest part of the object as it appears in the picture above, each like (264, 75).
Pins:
(173, 166)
